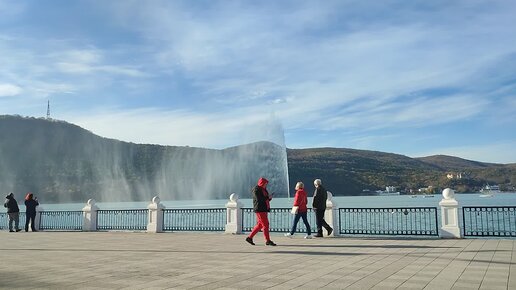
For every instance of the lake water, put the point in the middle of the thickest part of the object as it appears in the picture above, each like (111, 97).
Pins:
(500, 199)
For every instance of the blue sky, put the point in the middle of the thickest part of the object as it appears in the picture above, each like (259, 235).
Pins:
(410, 77)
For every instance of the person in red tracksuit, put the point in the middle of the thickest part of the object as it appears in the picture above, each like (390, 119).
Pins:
(261, 206)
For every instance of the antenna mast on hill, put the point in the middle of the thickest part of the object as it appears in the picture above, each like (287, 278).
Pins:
(48, 110)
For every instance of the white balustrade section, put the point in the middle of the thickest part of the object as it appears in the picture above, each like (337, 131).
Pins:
(450, 228)
(155, 221)
(233, 215)
(37, 220)
(89, 214)
(331, 215)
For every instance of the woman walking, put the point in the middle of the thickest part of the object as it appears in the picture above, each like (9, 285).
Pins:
(261, 206)
(300, 201)
(31, 204)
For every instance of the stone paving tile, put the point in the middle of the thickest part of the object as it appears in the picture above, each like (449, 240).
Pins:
(412, 286)
(464, 287)
(386, 285)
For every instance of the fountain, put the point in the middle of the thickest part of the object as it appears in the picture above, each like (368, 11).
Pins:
(64, 163)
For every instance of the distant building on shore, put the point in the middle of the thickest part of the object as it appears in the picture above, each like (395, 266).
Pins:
(459, 175)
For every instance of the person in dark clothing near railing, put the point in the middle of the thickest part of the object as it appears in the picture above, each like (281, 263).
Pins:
(261, 206)
(319, 205)
(30, 212)
(13, 211)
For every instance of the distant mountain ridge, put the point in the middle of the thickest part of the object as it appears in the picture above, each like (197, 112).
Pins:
(352, 171)
(450, 162)
(66, 163)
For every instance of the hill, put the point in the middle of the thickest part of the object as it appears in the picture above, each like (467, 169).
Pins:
(65, 163)
(357, 172)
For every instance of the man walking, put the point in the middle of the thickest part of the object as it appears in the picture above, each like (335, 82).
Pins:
(319, 205)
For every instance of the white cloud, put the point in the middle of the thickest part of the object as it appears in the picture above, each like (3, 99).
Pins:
(9, 90)
(181, 128)
(90, 62)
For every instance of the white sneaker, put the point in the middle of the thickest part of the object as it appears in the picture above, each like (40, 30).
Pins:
(308, 236)
(288, 235)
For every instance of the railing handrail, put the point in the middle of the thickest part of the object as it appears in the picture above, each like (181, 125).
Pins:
(194, 209)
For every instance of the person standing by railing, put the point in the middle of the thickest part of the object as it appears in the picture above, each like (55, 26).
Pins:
(300, 201)
(13, 211)
(31, 204)
(319, 205)
(261, 206)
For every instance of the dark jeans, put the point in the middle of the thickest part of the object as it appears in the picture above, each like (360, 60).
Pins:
(319, 218)
(305, 221)
(29, 218)
(14, 217)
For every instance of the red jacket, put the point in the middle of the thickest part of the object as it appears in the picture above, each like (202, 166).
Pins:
(301, 200)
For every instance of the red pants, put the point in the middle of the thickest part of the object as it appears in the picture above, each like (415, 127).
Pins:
(262, 222)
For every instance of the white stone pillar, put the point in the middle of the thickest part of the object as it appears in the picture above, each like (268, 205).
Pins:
(155, 220)
(234, 215)
(449, 216)
(89, 216)
(331, 215)
(37, 220)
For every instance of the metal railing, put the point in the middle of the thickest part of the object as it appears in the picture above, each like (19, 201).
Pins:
(199, 219)
(418, 221)
(122, 219)
(489, 221)
(4, 221)
(61, 220)
(280, 220)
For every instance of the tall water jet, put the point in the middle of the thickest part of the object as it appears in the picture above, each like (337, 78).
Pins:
(195, 173)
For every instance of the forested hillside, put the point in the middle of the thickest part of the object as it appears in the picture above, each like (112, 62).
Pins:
(353, 172)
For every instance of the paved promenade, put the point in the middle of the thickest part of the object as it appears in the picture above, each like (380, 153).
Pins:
(123, 260)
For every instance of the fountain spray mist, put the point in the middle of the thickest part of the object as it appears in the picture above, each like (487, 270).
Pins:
(189, 173)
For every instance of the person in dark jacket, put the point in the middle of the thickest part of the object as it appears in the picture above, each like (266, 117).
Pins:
(319, 205)
(31, 204)
(261, 206)
(300, 200)
(13, 211)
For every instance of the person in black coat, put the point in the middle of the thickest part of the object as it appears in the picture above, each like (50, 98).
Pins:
(13, 211)
(31, 204)
(319, 205)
